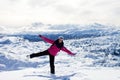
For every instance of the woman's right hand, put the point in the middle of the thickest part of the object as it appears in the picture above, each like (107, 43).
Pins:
(40, 35)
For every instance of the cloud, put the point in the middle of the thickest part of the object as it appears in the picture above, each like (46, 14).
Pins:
(117, 11)
(22, 12)
(41, 3)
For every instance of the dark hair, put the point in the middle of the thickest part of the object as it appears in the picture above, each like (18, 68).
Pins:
(59, 45)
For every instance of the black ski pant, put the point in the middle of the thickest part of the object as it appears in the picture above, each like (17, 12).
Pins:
(52, 58)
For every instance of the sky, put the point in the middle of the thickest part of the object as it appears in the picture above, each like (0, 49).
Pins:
(25, 12)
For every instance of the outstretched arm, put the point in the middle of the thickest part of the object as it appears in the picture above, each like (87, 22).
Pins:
(67, 51)
(46, 39)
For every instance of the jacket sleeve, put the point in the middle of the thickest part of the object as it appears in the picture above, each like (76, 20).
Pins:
(67, 51)
(47, 40)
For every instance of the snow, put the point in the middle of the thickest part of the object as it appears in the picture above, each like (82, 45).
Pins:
(84, 73)
(97, 49)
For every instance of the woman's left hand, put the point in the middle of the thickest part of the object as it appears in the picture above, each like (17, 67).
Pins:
(73, 54)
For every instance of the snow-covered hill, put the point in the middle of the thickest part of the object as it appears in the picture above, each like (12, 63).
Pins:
(69, 31)
(96, 45)
(64, 73)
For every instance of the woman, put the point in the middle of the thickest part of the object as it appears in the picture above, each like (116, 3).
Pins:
(56, 46)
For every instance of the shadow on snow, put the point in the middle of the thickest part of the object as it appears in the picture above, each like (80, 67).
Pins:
(65, 77)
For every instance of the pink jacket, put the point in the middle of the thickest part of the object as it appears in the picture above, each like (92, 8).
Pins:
(53, 50)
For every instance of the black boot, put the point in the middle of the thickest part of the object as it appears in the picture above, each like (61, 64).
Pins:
(52, 70)
(30, 56)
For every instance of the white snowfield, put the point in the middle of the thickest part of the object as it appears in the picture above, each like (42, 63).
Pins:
(71, 73)
(97, 58)
(67, 67)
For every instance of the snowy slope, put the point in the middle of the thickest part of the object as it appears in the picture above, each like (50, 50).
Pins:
(100, 51)
(70, 73)
(97, 46)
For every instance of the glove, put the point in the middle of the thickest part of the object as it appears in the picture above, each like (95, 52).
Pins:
(40, 35)
(73, 54)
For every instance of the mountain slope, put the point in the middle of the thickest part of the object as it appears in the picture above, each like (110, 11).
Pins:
(95, 45)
